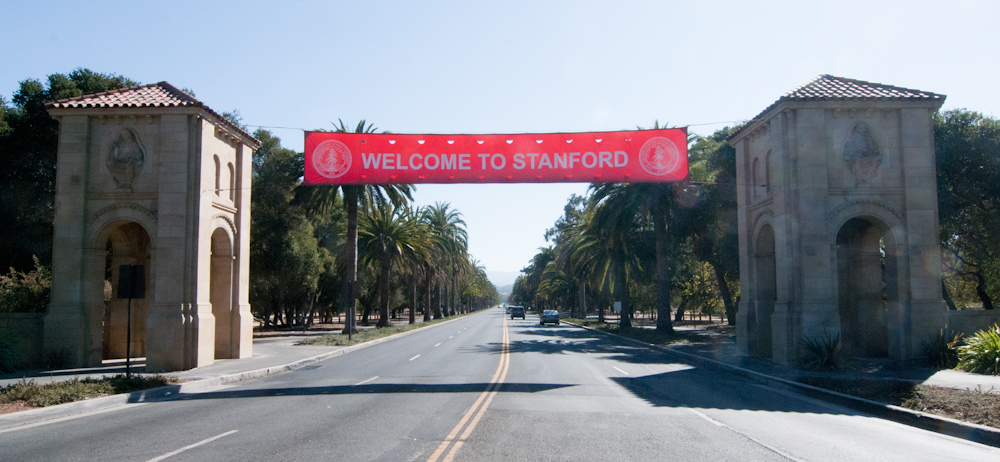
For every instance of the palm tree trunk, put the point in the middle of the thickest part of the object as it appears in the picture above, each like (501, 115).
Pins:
(456, 300)
(582, 299)
(413, 297)
(351, 197)
(437, 309)
(447, 299)
(427, 294)
(383, 286)
(602, 303)
(663, 324)
(621, 293)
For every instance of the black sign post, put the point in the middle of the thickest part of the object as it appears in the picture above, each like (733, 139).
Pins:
(131, 284)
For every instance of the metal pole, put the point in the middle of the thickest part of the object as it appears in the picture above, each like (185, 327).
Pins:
(350, 309)
(128, 343)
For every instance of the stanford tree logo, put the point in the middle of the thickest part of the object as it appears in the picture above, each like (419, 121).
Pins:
(332, 159)
(659, 156)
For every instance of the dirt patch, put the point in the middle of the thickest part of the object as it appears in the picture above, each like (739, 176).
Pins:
(16, 406)
(978, 407)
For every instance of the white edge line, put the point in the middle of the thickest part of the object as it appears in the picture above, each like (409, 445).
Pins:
(185, 448)
(69, 417)
(755, 440)
(709, 419)
(366, 381)
(415, 357)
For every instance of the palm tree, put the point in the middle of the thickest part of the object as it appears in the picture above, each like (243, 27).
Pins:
(478, 291)
(387, 237)
(611, 248)
(451, 245)
(320, 199)
(567, 235)
(557, 284)
(650, 200)
(420, 263)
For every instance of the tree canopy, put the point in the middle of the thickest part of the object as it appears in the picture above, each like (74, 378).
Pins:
(28, 137)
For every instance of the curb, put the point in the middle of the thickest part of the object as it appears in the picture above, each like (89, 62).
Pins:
(951, 427)
(16, 419)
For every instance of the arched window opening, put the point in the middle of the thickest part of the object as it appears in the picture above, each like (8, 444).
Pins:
(218, 173)
(232, 182)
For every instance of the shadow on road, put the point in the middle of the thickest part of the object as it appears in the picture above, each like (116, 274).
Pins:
(700, 388)
(376, 388)
(687, 385)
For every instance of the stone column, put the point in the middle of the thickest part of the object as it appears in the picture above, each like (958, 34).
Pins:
(66, 323)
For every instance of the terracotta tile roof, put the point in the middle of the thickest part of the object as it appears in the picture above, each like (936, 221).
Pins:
(161, 94)
(832, 88)
(828, 87)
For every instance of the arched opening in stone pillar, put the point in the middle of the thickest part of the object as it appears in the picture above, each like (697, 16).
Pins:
(128, 243)
(221, 295)
(865, 277)
(765, 289)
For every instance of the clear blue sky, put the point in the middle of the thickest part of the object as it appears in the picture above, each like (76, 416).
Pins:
(501, 67)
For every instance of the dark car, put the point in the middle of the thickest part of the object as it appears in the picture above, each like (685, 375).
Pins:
(517, 312)
(549, 316)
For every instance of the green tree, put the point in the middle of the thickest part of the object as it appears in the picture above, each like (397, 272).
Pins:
(388, 236)
(567, 237)
(623, 209)
(286, 259)
(28, 137)
(713, 224)
(967, 145)
(451, 242)
(321, 199)
(614, 245)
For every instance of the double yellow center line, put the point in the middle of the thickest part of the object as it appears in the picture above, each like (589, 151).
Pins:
(468, 423)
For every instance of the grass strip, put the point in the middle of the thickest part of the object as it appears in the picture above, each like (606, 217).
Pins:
(368, 335)
(975, 406)
(50, 394)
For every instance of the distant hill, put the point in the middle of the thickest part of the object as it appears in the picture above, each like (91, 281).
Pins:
(502, 278)
(504, 291)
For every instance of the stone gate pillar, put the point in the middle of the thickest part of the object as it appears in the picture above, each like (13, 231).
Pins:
(838, 204)
(148, 175)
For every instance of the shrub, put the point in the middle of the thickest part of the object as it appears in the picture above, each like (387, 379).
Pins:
(942, 350)
(78, 389)
(824, 353)
(981, 352)
(22, 292)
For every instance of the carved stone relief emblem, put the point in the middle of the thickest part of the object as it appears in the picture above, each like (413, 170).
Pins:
(863, 155)
(125, 158)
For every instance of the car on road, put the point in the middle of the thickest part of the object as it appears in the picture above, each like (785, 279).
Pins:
(508, 310)
(549, 316)
(517, 312)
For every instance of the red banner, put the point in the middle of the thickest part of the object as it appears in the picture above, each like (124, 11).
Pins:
(638, 156)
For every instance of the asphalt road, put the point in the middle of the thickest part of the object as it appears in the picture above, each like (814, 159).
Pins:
(487, 388)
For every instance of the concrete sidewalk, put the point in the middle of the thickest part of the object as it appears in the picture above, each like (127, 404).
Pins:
(268, 352)
(723, 350)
